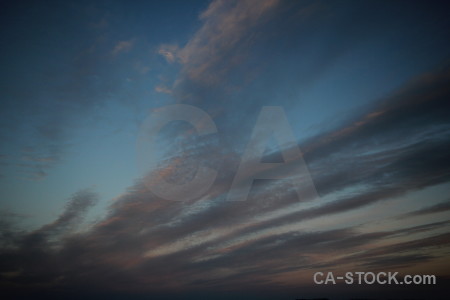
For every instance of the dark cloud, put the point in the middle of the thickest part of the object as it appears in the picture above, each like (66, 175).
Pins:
(437, 208)
(31, 259)
(75, 210)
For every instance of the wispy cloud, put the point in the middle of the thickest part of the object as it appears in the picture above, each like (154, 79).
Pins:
(163, 89)
(123, 47)
(223, 41)
(437, 208)
(169, 52)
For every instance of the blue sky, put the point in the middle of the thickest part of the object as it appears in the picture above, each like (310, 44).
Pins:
(364, 86)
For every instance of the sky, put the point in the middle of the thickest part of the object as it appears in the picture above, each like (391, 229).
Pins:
(223, 149)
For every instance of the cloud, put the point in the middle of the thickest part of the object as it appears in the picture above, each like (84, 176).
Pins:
(214, 244)
(74, 211)
(148, 244)
(163, 89)
(229, 31)
(437, 208)
(122, 47)
(25, 255)
(65, 223)
(169, 52)
(224, 37)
